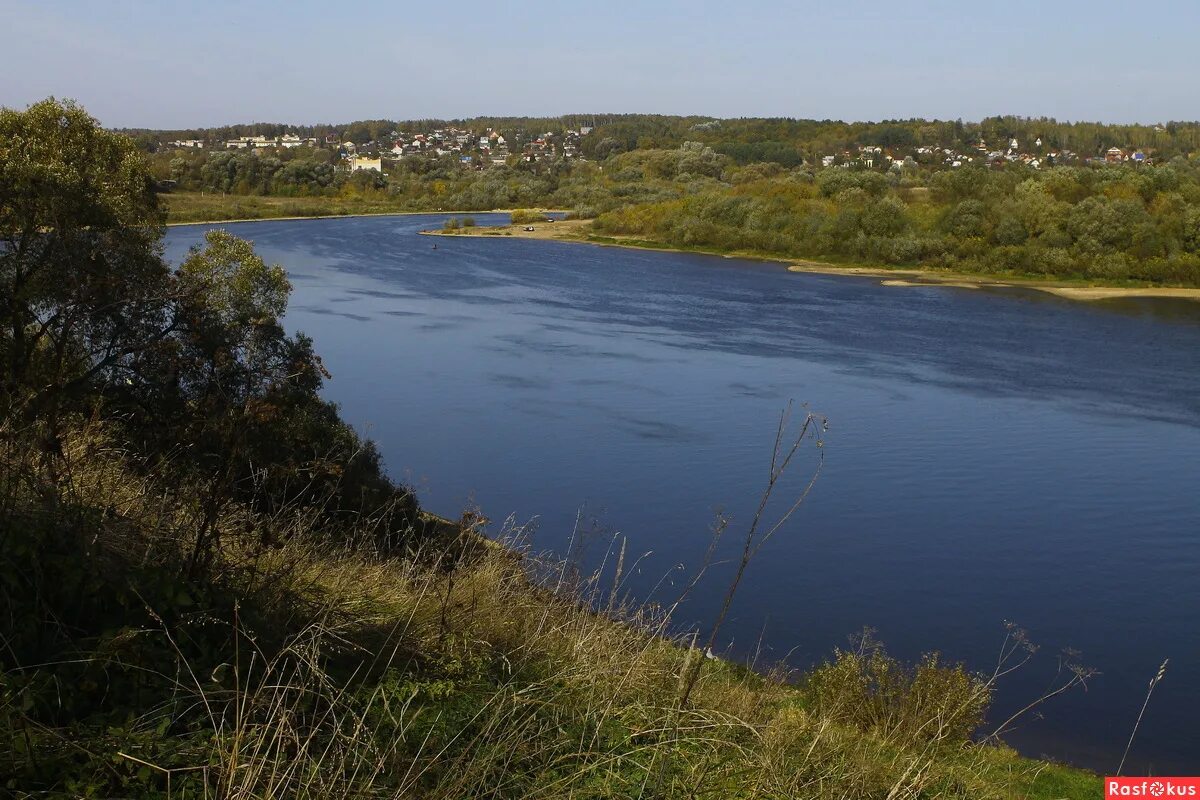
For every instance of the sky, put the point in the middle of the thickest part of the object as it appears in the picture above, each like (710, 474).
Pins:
(168, 64)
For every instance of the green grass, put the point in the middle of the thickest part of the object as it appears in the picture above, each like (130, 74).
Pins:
(192, 207)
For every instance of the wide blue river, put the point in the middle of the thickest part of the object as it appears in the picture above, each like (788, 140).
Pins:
(991, 456)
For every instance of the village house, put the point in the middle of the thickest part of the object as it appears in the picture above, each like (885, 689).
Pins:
(290, 140)
(474, 149)
(868, 155)
(363, 162)
(245, 142)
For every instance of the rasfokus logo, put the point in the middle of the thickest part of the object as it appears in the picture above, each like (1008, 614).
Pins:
(1151, 787)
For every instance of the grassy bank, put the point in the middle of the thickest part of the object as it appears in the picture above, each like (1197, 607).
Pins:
(185, 207)
(318, 667)
(197, 207)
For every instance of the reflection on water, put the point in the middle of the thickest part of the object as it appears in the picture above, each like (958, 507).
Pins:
(993, 455)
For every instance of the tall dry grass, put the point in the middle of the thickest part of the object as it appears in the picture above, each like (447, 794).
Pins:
(344, 672)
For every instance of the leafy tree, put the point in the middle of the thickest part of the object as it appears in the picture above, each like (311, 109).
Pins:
(192, 366)
(1010, 230)
(1190, 229)
(966, 219)
(885, 217)
(367, 180)
(82, 285)
(241, 397)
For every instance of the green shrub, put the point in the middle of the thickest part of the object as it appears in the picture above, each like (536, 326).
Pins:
(524, 216)
(869, 690)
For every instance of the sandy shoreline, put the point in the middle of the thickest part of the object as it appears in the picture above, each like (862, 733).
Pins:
(1107, 292)
(567, 230)
(955, 284)
(578, 231)
(918, 278)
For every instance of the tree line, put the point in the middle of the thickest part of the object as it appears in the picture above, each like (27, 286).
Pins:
(748, 140)
(788, 141)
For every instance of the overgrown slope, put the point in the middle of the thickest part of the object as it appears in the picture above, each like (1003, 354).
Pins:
(458, 670)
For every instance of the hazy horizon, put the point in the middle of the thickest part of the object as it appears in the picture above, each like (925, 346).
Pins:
(221, 63)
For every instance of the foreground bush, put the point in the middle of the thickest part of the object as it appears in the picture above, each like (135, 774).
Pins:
(874, 693)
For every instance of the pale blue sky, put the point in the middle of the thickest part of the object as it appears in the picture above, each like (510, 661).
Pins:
(208, 62)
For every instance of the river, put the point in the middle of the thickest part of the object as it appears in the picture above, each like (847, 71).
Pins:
(991, 455)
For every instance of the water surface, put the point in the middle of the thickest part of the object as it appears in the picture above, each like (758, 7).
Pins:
(991, 455)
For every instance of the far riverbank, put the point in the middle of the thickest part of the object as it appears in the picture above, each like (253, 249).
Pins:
(198, 208)
(581, 231)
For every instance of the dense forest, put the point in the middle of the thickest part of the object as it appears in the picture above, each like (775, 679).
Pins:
(209, 587)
